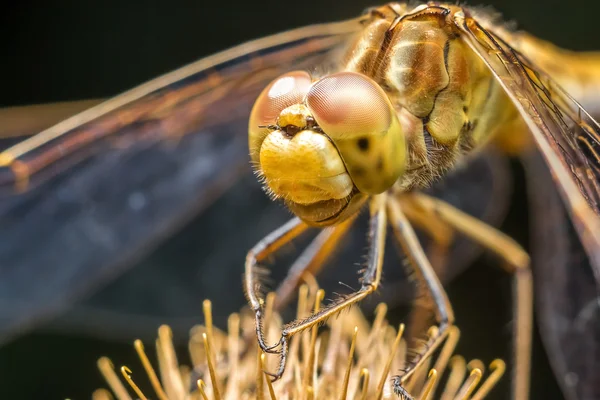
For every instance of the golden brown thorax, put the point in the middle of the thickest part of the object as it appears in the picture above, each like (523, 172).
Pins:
(447, 101)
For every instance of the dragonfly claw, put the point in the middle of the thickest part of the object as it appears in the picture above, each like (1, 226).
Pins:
(399, 390)
(282, 359)
(269, 349)
(261, 338)
(274, 377)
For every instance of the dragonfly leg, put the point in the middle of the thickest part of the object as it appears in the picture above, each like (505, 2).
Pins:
(369, 282)
(444, 315)
(517, 262)
(441, 233)
(310, 261)
(442, 236)
(267, 246)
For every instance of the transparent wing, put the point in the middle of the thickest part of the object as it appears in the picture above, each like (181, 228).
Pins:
(567, 270)
(567, 136)
(83, 199)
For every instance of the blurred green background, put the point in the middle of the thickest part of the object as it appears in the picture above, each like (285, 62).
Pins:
(68, 50)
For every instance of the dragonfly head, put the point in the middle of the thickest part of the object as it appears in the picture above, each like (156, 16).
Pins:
(325, 146)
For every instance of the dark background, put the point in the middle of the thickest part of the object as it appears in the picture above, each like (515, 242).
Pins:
(69, 50)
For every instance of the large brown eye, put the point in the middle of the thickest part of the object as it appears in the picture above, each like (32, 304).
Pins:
(287, 90)
(348, 104)
(356, 114)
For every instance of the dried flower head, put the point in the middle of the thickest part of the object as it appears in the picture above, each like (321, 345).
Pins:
(352, 359)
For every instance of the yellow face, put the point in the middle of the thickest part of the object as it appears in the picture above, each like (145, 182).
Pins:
(325, 146)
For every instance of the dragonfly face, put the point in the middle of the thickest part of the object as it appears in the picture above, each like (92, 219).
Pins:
(333, 142)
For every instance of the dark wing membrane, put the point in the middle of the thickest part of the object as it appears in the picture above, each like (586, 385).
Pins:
(107, 185)
(566, 295)
(567, 136)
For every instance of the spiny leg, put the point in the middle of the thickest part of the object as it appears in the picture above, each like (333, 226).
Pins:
(442, 236)
(311, 261)
(517, 263)
(440, 233)
(267, 246)
(443, 310)
(369, 281)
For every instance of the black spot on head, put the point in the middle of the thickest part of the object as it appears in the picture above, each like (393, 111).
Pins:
(465, 109)
(358, 171)
(386, 87)
(291, 130)
(363, 144)
(379, 165)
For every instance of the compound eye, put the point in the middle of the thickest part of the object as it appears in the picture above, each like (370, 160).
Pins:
(356, 114)
(285, 91)
(348, 105)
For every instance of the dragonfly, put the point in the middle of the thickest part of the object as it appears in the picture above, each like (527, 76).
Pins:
(55, 173)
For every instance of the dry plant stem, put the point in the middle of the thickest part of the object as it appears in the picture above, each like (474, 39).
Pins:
(458, 370)
(497, 367)
(126, 372)
(429, 385)
(446, 352)
(315, 375)
(349, 366)
(201, 386)
(388, 364)
(169, 373)
(469, 386)
(101, 394)
(211, 368)
(139, 348)
(517, 264)
(269, 384)
(233, 351)
(310, 360)
(107, 369)
(364, 373)
(260, 387)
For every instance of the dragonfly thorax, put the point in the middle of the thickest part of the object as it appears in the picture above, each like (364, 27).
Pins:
(447, 101)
